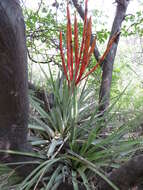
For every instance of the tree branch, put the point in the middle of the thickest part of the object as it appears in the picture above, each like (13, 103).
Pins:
(51, 60)
(104, 96)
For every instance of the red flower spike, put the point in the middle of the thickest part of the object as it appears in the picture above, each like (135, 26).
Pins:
(62, 56)
(112, 40)
(83, 55)
(88, 58)
(69, 45)
(84, 31)
(91, 49)
(108, 47)
(84, 62)
(92, 70)
(87, 41)
(76, 46)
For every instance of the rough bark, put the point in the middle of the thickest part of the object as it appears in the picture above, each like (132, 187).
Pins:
(127, 176)
(104, 96)
(14, 104)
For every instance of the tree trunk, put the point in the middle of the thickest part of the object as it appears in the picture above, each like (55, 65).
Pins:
(127, 176)
(14, 104)
(104, 96)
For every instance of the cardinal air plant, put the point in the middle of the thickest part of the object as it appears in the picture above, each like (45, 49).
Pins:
(72, 148)
(78, 58)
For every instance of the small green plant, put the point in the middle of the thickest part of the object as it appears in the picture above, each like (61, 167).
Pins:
(75, 141)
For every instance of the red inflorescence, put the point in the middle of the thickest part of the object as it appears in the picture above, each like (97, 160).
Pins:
(75, 70)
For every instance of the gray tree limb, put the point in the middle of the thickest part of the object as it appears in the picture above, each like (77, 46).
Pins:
(104, 96)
